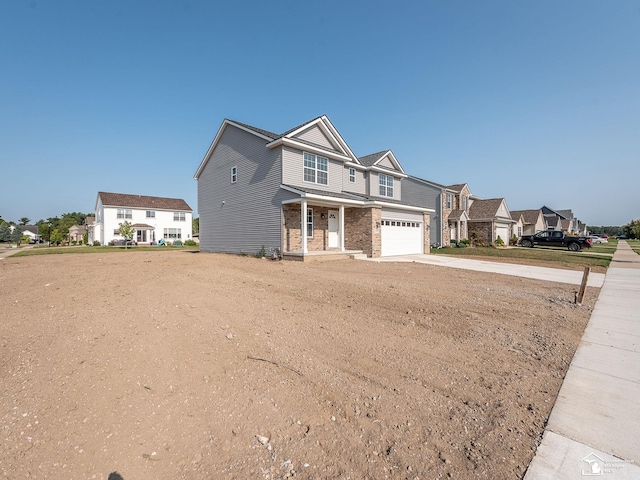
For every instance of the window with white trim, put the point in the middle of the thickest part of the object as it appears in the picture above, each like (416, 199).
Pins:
(352, 175)
(124, 213)
(179, 217)
(386, 185)
(234, 174)
(151, 214)
(315, 169)
(172, 233)
(449, 201)
(310, 222)
(464, 204)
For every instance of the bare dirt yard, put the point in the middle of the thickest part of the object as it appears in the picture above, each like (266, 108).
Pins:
(178, 365)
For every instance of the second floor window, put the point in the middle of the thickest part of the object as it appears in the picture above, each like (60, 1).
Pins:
(124, 213)
(352, 175)
(386, 185)
(449, 201)
(178, 217)
(315, 169)
(234, 174)
(464, 203)
(151, 214)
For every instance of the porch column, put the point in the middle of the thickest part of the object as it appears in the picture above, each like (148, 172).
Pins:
(458, 232)
(341, 227)
(303, 225)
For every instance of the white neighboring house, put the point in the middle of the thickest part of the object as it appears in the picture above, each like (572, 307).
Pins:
(153, 218)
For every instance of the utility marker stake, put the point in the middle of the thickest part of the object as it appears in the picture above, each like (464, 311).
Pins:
(583, 286)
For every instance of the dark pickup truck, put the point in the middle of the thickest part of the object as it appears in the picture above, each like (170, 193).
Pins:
(555, 239)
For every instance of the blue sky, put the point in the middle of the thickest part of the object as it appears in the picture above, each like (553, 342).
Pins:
(537, 102)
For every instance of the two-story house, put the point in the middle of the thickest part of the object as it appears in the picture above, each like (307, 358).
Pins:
(304, 191)
(153, 218)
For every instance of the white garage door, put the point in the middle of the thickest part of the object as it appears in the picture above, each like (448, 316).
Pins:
(401, 237)
(502, 231)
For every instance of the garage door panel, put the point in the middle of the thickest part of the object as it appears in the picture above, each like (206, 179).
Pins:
(401, 238)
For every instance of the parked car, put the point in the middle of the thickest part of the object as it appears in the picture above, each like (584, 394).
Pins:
(596, 239)
(552, 238)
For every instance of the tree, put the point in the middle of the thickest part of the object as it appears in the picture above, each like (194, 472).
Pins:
(16, 235)
(24, 221)
(127, 231)
(195, 225)
(632, 229)
(5, 232)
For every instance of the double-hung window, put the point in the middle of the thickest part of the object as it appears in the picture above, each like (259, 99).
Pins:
(234, 174)
(315, 169)
(178, 217)
(310, 222)
(352, 175)
(151, 214)
(449, 201)
(464, 203)
(124, 213)
(172, 233)
(386, 185)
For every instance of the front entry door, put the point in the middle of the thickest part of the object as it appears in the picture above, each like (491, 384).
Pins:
(333, 229)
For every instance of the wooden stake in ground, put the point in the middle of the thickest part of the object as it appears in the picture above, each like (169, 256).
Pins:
(583, 285)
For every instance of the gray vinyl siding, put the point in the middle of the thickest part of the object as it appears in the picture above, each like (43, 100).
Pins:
(424, 195)
(251, 213)
(360, 186)
(406, 215)
(293, 171)
(315, 135)
(374, 183)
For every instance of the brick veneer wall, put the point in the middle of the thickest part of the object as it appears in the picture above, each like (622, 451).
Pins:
(484, 229)
(291, 228)
(363, 230)
(427, 233)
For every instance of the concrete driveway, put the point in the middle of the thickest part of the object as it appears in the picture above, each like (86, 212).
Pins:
(573, 277)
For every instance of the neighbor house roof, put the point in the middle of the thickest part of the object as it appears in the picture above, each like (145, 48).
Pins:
(143, 201)
(485, 208)
(457, 187)
(530, 216)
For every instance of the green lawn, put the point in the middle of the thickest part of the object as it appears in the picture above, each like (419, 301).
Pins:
(552, 257)
(44, 250)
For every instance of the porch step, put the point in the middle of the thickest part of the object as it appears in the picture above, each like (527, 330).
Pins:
(359, 256)
(321, 256)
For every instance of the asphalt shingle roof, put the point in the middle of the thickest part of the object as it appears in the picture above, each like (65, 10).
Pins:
(143, 201)
(484, 208)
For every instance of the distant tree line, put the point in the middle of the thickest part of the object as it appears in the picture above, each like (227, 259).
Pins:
(54, 229)
(611, 231)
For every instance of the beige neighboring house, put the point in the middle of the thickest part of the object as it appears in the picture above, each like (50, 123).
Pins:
(77, 232)
(532, 221)
(518, 227)
(491, 219)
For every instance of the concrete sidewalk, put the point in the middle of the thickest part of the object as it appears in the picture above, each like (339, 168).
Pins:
(573, 277)
(594, 427)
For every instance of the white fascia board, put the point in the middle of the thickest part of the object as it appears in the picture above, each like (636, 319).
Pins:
(388, 172)
(393, 159)
(357, 166)
(217, 139)
(327, 123)
(290, 142)
(400, 206)
(315, 196)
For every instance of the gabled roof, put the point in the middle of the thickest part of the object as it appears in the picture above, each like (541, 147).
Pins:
(458, 215)
(143, 201)
(485, 209)
(341, 152)
(457, 187)
(530, 217)
(516, 215)
(550, 211)
(376, 159)
(565, 213)
(552, 220)
(29, 228)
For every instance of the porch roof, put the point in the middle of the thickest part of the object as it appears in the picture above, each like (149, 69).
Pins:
(352, 198)
(142, 226)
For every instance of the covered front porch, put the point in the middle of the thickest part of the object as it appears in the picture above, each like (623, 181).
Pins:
(312, 229)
